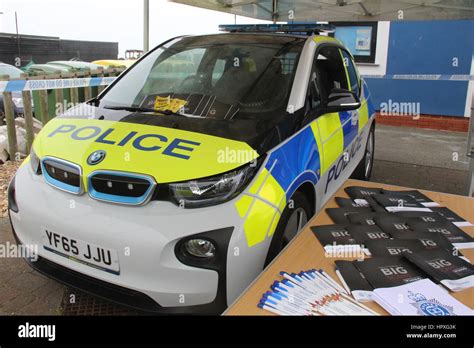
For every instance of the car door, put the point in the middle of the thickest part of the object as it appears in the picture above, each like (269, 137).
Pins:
(334, 131)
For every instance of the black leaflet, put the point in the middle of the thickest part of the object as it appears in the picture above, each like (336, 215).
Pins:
(382, 272)
(443, 267)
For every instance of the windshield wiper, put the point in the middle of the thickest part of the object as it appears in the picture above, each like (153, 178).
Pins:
(166, 112)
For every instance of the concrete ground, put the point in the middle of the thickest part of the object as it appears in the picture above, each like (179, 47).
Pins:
(418, 158)
(22, 290)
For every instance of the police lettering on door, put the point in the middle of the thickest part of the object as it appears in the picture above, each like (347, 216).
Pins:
(336, 170)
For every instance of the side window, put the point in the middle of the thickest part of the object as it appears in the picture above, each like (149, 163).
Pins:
(351, 72)
(330, 70)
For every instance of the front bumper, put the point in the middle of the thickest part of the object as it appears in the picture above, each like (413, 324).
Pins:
(151, 276)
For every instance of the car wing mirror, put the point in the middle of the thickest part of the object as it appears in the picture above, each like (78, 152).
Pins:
(342, 100)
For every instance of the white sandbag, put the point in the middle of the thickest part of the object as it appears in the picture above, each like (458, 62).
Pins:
(37, 124)
(21, 142)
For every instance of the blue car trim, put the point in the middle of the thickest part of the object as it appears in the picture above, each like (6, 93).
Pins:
(59, 184)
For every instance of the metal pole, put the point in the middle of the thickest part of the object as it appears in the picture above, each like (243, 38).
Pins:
(470, 152)
(146, 25)
(17, 36)
(274, 11)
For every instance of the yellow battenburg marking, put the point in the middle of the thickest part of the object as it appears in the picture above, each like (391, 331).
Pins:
(168, 103)
(243, 205)
(276, 219)
(332, 137)
(363, 115)
(258, 181)
(282, 203)
(169, 155)
(320, 39)
(27, 159)
(319, 143)
(272, 192)
(257, 223)
(263, 217)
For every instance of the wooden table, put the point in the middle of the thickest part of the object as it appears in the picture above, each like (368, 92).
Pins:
(305, 252)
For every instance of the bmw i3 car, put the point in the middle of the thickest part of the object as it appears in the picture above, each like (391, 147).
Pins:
(175, 187)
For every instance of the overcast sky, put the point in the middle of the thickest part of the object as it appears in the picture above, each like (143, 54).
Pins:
(110, 20)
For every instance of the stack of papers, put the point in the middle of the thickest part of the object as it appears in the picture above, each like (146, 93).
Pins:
(422, 297)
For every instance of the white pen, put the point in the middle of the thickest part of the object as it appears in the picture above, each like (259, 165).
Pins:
(297, 293)
(279, 301)
(293, 301)
(357, 307)
(331, 307)
(336, 284)
(339, 275)
(322, 282)
(282, 307)
(316, 287)
(272, 309)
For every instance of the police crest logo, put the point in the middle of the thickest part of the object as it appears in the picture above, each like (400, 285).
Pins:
(430, 307)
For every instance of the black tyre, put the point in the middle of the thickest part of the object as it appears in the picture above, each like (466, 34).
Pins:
(363, 170)
(292, 220)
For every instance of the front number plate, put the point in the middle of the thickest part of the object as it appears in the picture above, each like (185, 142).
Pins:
(78, 250)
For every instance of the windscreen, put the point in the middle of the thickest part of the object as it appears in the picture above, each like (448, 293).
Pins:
(224, 76)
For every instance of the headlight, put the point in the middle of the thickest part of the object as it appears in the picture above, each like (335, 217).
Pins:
(34, 162)
(200, 248)
(213, 190)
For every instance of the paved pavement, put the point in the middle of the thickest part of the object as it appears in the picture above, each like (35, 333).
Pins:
(22, 290)
(421, 158)
(423, 147)
(417, 158)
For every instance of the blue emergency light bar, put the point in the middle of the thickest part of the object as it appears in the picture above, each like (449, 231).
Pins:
(278, 28)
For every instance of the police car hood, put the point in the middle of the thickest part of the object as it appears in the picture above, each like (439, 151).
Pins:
(167, 153)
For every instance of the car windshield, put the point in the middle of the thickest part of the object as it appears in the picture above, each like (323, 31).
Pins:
(224, 76)
(11, 71)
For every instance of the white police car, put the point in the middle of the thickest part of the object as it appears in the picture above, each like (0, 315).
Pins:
(171, 191)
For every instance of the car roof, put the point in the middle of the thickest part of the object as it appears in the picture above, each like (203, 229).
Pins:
(319, 39)
(303, 37)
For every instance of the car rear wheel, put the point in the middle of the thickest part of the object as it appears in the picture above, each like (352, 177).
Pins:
(363, 170)
(292, 220)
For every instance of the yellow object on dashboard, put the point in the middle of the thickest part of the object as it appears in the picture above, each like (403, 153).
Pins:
(168, 103)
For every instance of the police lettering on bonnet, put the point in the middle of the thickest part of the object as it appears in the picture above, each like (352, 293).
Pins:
(106, 137)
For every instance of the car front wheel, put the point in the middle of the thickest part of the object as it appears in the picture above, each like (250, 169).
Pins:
(363, 170)
(295, 215)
